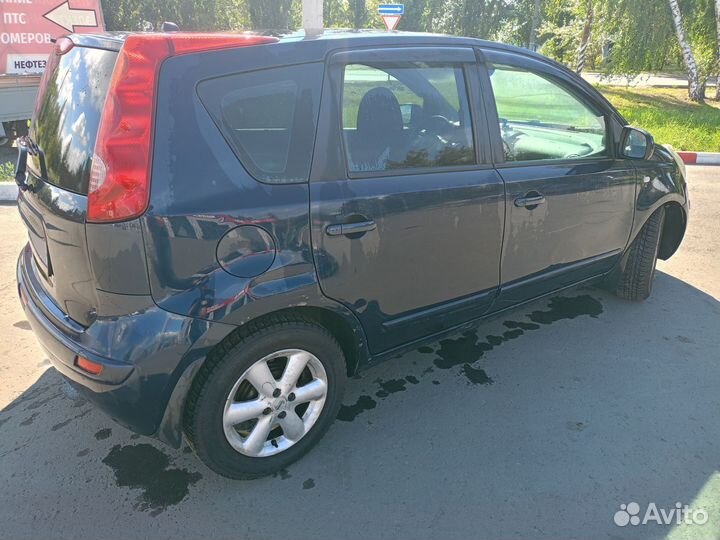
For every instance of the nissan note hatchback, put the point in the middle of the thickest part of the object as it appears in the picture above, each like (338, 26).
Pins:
(223, 228)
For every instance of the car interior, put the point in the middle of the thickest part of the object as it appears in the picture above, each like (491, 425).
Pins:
(429, 132)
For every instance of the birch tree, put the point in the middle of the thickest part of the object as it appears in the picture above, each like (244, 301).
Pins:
(585, 36)
(534, 23)
(696, 92)
(717, 27)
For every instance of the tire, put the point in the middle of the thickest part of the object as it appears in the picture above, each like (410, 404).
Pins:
(636, 280)
(225, 382)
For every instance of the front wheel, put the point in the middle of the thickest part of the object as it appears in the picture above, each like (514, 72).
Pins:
(636, 279)
(266, 400)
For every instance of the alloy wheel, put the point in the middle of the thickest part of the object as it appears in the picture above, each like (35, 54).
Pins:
(275, 403)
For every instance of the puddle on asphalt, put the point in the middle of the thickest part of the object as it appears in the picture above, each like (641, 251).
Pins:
(467, 349)
(144, 467)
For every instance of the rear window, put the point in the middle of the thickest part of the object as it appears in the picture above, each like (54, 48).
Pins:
(67, 114)
(268, 117)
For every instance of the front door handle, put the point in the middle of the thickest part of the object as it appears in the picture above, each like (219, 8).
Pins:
(530, 200)
(345, 229)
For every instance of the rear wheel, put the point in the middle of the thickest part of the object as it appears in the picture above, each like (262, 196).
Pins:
(636, 280)
(268, 399)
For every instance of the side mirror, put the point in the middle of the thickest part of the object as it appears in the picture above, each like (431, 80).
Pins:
(636, 143)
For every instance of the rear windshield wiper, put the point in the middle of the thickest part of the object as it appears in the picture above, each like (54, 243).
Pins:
(21, 167)
(27, 146)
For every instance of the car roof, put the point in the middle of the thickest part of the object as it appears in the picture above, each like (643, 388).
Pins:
(353, 38)
(332, 38)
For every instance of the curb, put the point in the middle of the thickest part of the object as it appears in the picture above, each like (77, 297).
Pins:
(700, 158)
(8, 192)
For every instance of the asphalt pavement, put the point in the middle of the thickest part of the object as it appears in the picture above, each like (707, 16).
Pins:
(538, 424)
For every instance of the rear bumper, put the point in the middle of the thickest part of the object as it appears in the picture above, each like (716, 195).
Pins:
(143, 354)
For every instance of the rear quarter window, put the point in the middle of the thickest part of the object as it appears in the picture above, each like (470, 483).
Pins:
(268, 117)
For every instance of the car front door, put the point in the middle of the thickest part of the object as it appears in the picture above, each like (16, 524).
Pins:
(569, 199)
(407, 218)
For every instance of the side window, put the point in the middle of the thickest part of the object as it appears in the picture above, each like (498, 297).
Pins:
(539, 119)
(405, 116)
(268, 117)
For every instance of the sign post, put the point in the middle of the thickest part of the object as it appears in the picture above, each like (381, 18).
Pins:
(312, 15)
(391, 14)
(28, 27)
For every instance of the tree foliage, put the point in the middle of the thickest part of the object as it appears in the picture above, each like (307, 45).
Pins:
(615, 36)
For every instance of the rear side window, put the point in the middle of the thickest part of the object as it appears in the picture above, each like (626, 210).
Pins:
(67, 114)
(268, 117)
(405, 116)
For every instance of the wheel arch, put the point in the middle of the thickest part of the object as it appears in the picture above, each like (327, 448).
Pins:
(673, 230)
(343, 326)
(340, 323)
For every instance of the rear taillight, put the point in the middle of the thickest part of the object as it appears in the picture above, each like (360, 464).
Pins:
(119, 186)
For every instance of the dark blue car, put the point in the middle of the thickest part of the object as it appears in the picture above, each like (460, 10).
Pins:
(225, 227)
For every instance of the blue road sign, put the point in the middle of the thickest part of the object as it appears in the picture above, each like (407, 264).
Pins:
(391, 9)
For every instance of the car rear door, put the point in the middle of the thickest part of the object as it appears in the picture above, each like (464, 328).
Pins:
(407, 214)
(569, 198)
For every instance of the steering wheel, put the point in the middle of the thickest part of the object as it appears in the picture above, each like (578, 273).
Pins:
(433, 136)
(509, 137)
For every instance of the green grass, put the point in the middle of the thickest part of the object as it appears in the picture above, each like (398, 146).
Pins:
(669, 116)
(522, 96)
(7, 172)
(360, 79)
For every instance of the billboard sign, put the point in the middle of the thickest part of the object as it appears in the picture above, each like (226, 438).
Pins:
(27, 28)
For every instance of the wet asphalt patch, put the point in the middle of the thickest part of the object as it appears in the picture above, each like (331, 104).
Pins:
(103, 434)
(29, 420)
(144, 467)
(308, 484)
(64, 423)
(467, 349)
(348, 413)
(283, 474)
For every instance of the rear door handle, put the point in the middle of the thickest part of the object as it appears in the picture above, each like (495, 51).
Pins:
(529, 200)
(343, 229)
